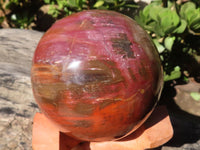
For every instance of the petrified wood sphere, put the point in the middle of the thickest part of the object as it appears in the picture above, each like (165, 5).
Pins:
(97, 75)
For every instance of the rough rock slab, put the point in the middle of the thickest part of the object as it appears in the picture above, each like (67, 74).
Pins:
(17, 106)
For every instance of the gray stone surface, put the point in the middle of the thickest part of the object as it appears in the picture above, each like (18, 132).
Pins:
(17, 106)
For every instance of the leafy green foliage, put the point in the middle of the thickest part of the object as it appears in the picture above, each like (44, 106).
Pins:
(191, 15)
(118, 5)
(170, 28)
(22, 21)
(67, 7)
(161, 21)
(24, 13)
(19, 13)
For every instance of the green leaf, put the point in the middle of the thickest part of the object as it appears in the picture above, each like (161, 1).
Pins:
(168, 42)
(186, 7)
(175, 74)
(1, 19)
(154, 12)
(195, 96)
(138, 19)
(166, 25)
(146, 10)
(195, 20)
(182, 27)
(175, 18)
(168, 20)
(186, 79)
(195, 27)
(150, 26)
(189, 5)
(53, 11)
(47, 1)
(159, 46)
(194, 16)
(170, 29)
(73, 3)
(141, 19)
(189, 14)
(159, 30)
(98, 4)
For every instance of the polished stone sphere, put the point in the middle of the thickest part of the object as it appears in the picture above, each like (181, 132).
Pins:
(96, 75)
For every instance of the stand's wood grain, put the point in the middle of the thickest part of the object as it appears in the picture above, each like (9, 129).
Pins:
(156, 131)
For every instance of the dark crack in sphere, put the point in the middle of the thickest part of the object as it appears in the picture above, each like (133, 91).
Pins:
(97, 75)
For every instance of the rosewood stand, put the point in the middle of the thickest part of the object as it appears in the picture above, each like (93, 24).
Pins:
(156, 131)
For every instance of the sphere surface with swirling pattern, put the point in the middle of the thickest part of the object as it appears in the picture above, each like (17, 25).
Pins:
(97, 75)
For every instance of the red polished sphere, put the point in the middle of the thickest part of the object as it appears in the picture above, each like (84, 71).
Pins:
(97, 75)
